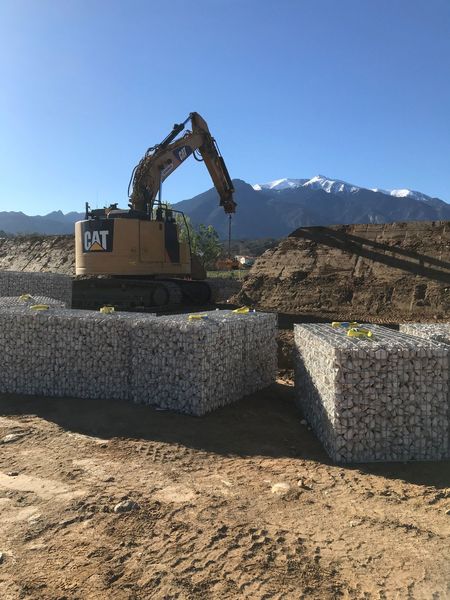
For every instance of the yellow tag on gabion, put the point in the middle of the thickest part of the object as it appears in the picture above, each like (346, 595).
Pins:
(359, 332)
(197, 317)
(25, 297)
(40, 307)
(107, 310)
(242, 311)
(344, 324)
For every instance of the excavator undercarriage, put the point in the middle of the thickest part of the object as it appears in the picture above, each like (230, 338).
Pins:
(139, 294)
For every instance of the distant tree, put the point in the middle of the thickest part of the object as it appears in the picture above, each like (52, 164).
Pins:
(204, 240)
(187, 231)
(208, 245)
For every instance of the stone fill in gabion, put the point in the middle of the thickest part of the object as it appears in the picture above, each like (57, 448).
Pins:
(27, 301)
(195, 366)
(223, 288)
(59, 352)
(437, 332)
(258, 333)
(52, 285)
(172, 362)
(378, 399)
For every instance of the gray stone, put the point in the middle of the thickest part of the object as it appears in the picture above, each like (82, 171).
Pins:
(173, 362)
(280, 488)
(437, 332)
(198, 365)
(67, 353)
(126, 506)
(378, 399)
(11, 437)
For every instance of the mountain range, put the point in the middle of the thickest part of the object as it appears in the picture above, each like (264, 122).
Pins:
(54, 223)
(274, 209)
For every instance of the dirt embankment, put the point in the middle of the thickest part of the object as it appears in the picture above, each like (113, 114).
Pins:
(391, 272)
(52, 253)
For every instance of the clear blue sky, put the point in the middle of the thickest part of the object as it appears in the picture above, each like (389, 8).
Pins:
(353, 89)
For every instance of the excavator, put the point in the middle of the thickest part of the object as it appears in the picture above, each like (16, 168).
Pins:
(135, 258)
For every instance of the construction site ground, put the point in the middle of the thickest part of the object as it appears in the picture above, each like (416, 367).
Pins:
(108, 500)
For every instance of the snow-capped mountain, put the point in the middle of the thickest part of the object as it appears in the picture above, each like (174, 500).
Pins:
(319, 182)
(405, 193)
(336, 186)
(332, 186)
(409, 194)
(279, 184)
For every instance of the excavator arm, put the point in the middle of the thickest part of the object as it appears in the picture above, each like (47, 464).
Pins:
(161, 160)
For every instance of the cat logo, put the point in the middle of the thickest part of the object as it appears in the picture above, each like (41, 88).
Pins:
(95, 241)
(98, 236)
(182, 153)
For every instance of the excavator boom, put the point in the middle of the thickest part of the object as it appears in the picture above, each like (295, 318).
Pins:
(161, 160)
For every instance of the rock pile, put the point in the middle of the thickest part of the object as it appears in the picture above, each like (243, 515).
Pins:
(53, 285)
(197, 365)
(378, 399)
(188, 365)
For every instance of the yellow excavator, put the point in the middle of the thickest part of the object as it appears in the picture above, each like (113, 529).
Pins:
(134, 258)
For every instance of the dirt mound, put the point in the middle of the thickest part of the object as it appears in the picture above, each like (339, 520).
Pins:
(390, 272)
(52, 253)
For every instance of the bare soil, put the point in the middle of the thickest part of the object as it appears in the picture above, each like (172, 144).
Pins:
(242, 503)
(379, 273)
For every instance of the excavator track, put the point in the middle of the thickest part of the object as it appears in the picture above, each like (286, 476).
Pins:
(192, 292)
(135, 294)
